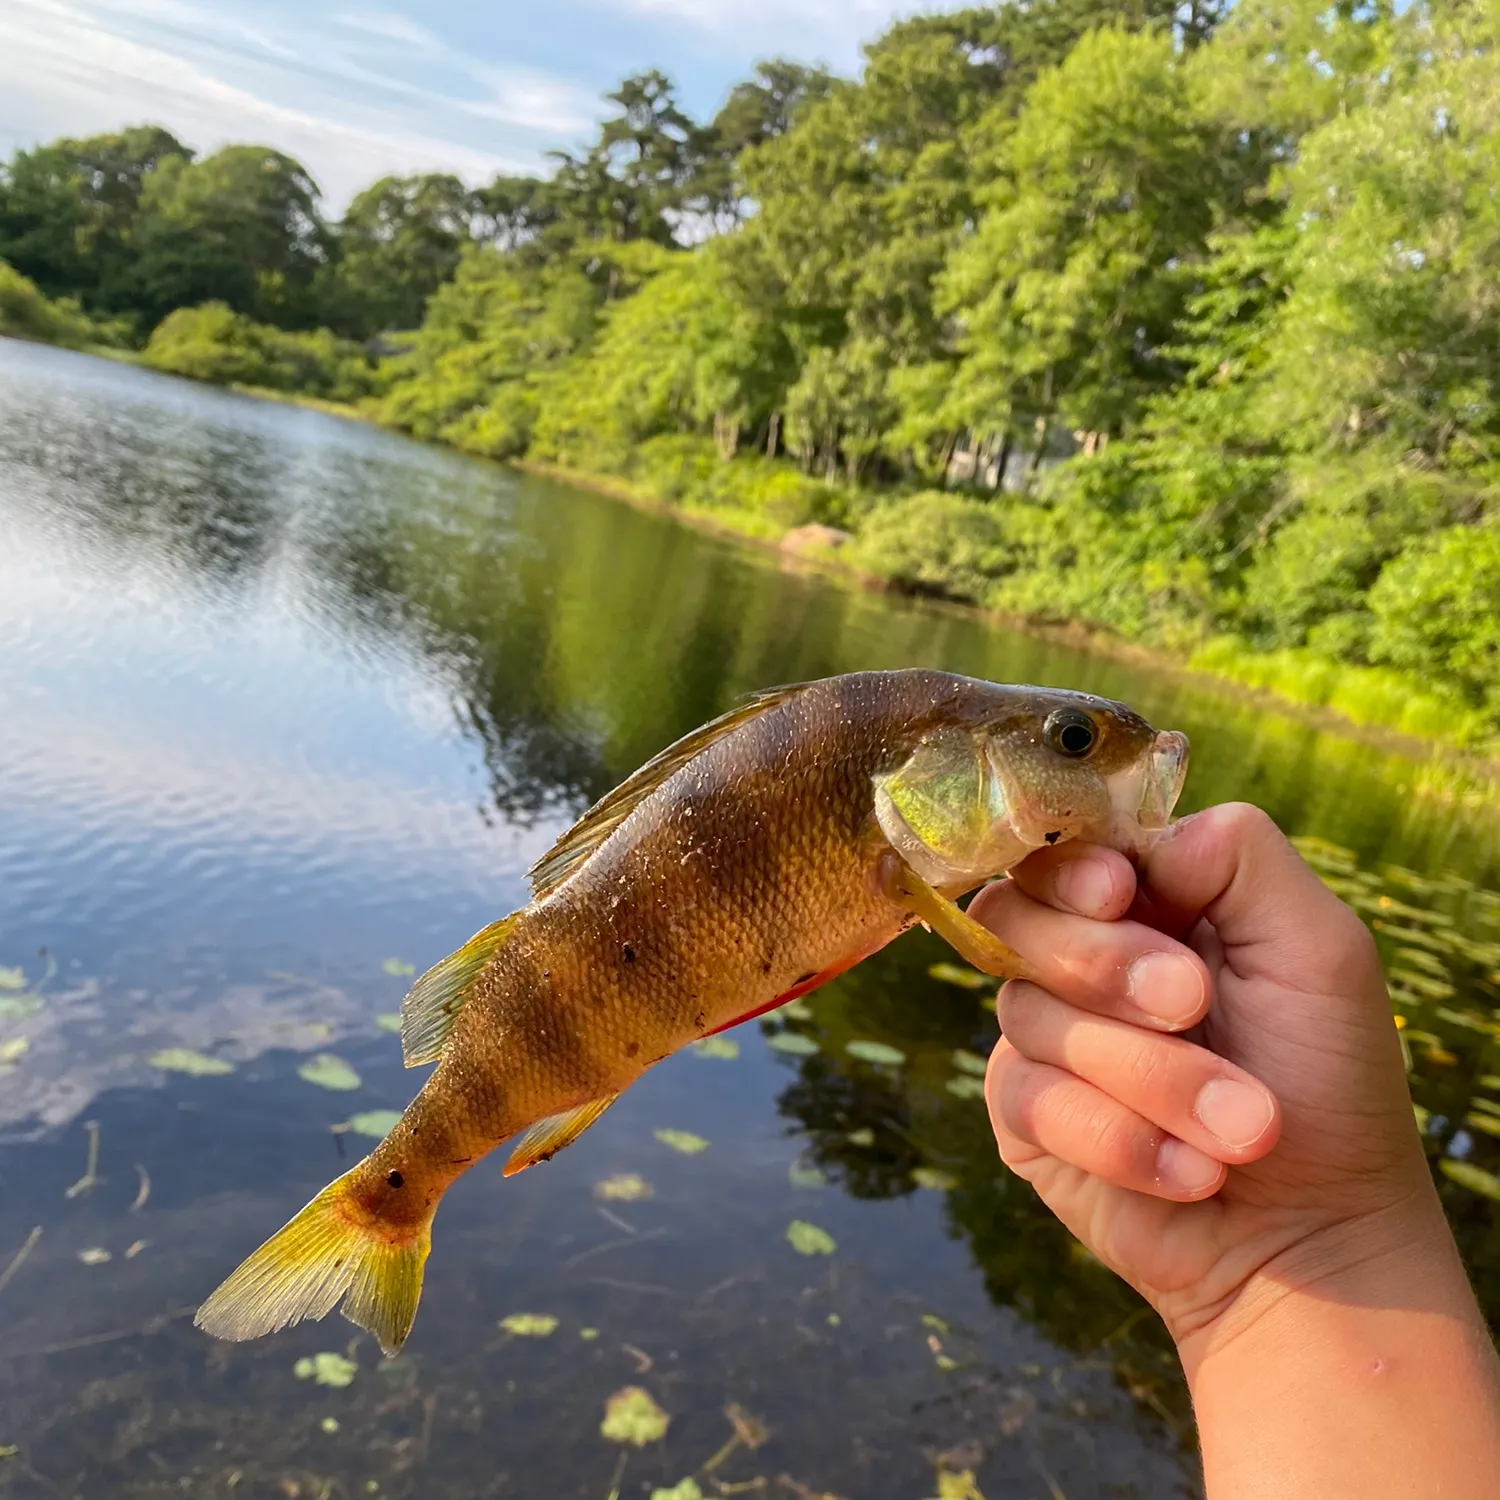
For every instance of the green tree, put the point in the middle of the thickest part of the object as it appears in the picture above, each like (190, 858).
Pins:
(1069, 293)
(241, 226)
(68, 210)
(399, 240)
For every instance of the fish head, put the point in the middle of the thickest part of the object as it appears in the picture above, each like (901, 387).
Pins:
(1038, 767)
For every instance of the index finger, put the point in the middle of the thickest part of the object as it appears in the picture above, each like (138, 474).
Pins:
(1086, 879)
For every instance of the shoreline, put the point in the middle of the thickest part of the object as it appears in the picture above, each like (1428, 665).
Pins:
(1482, 770)
(1466, 777)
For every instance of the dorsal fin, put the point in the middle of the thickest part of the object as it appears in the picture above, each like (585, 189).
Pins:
(601, 820)
(547, 1137)
(428, 1012)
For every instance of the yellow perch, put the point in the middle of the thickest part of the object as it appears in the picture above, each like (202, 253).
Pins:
(745, 865)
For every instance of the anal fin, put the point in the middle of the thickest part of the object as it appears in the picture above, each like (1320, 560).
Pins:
(434, 1001)
(972, 940)
(547, 1137)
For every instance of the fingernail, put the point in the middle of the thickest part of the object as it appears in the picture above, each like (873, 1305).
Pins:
(1085, 885)
(1167, 987)
(1236, 1113)
(1185, 1167)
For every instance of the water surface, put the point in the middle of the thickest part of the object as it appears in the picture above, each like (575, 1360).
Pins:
(287, 706)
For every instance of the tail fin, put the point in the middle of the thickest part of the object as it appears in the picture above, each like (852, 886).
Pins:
(326, 1253)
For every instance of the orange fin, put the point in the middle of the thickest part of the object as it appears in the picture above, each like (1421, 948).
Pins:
(952, 923)
(434, 1001)
(601, 820)
(323, 1257)
(547, 1137)
(806, 987)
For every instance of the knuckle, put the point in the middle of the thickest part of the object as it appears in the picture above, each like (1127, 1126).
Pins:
(1121, 1146)
(1148, 1069)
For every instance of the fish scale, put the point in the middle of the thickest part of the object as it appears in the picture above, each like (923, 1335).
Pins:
(756, 858)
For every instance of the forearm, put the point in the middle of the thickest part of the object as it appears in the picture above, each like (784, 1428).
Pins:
(1380, 1382)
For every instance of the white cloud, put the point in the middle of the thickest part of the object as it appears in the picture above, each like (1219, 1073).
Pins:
(393, 27)
(78, 66)
(837, 24)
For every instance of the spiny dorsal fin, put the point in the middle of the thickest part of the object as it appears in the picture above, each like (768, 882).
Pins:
(428, 1012)
(601, 820)
(547, 1137)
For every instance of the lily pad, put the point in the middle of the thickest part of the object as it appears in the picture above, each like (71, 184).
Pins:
(965, 1087)
(797, 1010)
(802, 1174)
(326, 1369)
(624, 1187)
(530, 1325)
(375, 1123)
(185, 1060)
(1476, 1179)
(329, 1424)
(95, 1255)
(687, 1490)
(18, 1005)
(588, 1335)
(864, 1136)
(970, 1062)
(329, 1072)
(14, 1050)
(964, 978)
(717, 1046)
(682, 1140)
(389, 1020)
(934, 1179)
(957, 1485)
(631, 1416)
(793, 1043)
(399, 968)
(808, 1239)
(876, 1052)
(12, 979)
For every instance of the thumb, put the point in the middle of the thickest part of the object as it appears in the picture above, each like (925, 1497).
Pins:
(1273, 918)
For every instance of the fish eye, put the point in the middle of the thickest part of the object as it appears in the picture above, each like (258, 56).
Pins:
(1070, 732)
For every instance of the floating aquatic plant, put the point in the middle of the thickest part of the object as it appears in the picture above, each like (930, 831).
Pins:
(329, 1072)
(717, 1046)
(793, 1043)
(186, 1060)
(808, 1239)
(326, 1369)
(631, 1416)
(530, 1325)
(879, 1053)
(682, 1140)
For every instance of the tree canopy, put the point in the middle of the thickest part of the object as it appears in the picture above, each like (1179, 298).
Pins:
(1176, 319)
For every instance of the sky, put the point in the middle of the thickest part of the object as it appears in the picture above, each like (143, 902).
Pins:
(355, 91)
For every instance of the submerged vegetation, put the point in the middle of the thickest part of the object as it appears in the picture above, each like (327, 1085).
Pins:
(1173, 322)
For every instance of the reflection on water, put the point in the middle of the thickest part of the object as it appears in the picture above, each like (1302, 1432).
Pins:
(289, 706)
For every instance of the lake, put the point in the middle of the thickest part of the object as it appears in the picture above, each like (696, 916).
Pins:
(287, 706)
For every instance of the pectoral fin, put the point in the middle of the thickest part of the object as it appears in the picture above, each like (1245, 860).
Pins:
(429, 1010)
(973, 942)
(547, 1137)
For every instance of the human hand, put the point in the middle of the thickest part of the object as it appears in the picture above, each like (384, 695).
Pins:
(1272, 1147)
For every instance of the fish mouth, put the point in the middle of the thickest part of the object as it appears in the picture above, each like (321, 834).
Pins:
(1165, 774)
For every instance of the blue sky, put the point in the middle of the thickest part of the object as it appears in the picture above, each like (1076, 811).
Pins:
(355, 90)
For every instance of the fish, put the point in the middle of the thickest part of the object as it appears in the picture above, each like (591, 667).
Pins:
(745, 865)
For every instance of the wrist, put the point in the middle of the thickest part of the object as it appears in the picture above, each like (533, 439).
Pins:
(1356, 1363)
(1400, 1256)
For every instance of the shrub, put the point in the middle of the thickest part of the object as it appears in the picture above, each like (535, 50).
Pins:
(211, 342)
(935, 543)
(1436, 611)
(26, 314)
